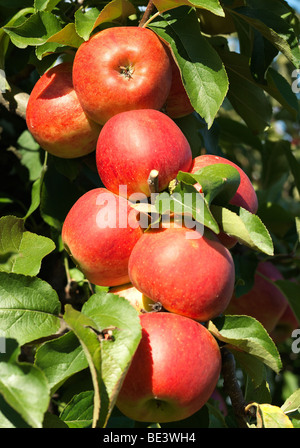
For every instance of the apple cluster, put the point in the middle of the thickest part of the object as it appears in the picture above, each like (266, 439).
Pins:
(119, 98)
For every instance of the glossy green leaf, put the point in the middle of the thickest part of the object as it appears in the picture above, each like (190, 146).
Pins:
(87, 20)
(276, 30)
(21, 251)
(292, 403)
(202, 70)
(269, 416)
(67, 36)
(60, 359)
(82, 327)
(247, 334)
(79, 411)
(211, 5)
(219, 182)
(23, 387)
(29, 308)
(35, 30)
(109, 358)
(186, 201)
(45, 5)
(110, 311)
(246, 227)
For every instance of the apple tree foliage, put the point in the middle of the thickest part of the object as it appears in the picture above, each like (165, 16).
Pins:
(240, 72)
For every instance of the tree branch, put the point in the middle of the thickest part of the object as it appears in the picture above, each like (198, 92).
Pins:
(232, 387)
(15, 101)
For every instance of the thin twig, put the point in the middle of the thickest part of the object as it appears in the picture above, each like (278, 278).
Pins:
(148, 11)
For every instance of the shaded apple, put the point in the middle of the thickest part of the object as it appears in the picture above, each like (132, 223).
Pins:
(174, 370)
(132, 144)
(264, 302)
(99, 233)
(178, 103)
(137, 299)
(287, 323)
(189, 274)
(55, 117)
(119, 69)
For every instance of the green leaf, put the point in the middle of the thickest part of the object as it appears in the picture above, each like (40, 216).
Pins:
(248, 99)
(276, 30)
(45, 5)
(4, 38)
(87, 20)
(30, 154)
(35, 30)
(108, 310)
(60, 359)
(280, 89)
(185, 200)
(269, 416)
(246, 227)
(211, 5)
(219, 182)
(234, 132)
(247, 334)
(67, 36)
(23, 387)
(292, 403)
(79, 411)
(21, 251)
(202, 70)
(29, 308)
(82, 327)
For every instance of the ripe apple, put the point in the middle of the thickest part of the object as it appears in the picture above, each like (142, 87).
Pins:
(133, 143)
(245, 195)
(55, 117)
(138, 300)
(178, 103)
(264, 301)
(99, 233)
(173, 372)
(120, 69)
(189, 274)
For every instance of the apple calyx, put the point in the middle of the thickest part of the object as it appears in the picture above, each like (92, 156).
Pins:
(126, 71)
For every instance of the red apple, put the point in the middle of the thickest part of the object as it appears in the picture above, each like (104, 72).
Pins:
(133, 143)
(264, 301)
(189, 274)
(55, 117)
(178, 103)
(173, 372)
(120, 69)
(245, 195)
(99, 233)
(138, 300)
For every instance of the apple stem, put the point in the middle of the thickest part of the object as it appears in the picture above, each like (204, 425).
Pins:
(153, 181)
(232, 387)
(148, 11)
